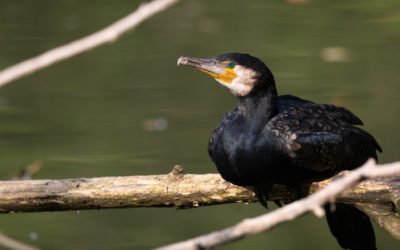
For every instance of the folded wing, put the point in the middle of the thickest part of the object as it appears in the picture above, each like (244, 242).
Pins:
(320, 137)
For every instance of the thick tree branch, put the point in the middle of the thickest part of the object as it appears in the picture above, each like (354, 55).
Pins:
(173, 190)
(385, 215)
(106, 35)
(377, 197)
(312, 203)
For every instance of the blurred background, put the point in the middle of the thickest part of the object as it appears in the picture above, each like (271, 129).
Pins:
(127, 109)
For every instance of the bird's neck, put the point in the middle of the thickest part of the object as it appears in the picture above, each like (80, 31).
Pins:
(258, 108)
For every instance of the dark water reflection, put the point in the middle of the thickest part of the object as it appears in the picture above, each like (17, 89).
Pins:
(94, 114)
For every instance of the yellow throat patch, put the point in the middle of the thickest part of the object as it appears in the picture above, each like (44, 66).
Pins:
(228, 76)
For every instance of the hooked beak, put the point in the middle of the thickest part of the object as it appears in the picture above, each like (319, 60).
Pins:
(209, 66)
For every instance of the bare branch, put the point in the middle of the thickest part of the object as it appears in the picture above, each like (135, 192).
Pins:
(107, 35)
(289, 212)
(11, 243)
(173, 190)
(181, 190)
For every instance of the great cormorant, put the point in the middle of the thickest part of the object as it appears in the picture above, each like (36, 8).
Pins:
(286, 140)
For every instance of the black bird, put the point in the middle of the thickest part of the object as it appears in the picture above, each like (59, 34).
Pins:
(286, 140)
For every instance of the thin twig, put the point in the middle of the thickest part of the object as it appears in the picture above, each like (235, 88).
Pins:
(312, 203)
(107, 35)
(11, 243)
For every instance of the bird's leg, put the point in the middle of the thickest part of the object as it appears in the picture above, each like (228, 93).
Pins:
(262, 193)
(258, 190)
(278, 203)
(295, 190)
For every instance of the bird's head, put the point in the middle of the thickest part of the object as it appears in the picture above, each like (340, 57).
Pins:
(242, 74)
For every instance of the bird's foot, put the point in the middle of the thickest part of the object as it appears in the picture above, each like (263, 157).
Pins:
(295, 191)
(262, 193)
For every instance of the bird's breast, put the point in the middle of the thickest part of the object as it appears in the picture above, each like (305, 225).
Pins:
(243, 157)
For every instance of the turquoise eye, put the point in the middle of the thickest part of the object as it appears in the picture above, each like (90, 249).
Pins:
(231, 65)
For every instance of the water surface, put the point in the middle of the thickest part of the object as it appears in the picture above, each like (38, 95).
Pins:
(94, 115)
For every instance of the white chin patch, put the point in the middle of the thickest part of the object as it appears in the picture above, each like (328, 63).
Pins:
(243, 84)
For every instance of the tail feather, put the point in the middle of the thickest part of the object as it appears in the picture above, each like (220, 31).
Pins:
(351, 227)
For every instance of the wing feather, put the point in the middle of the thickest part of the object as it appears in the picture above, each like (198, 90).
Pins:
(320, 137)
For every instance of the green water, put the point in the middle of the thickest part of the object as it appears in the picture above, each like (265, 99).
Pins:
(85, 117)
